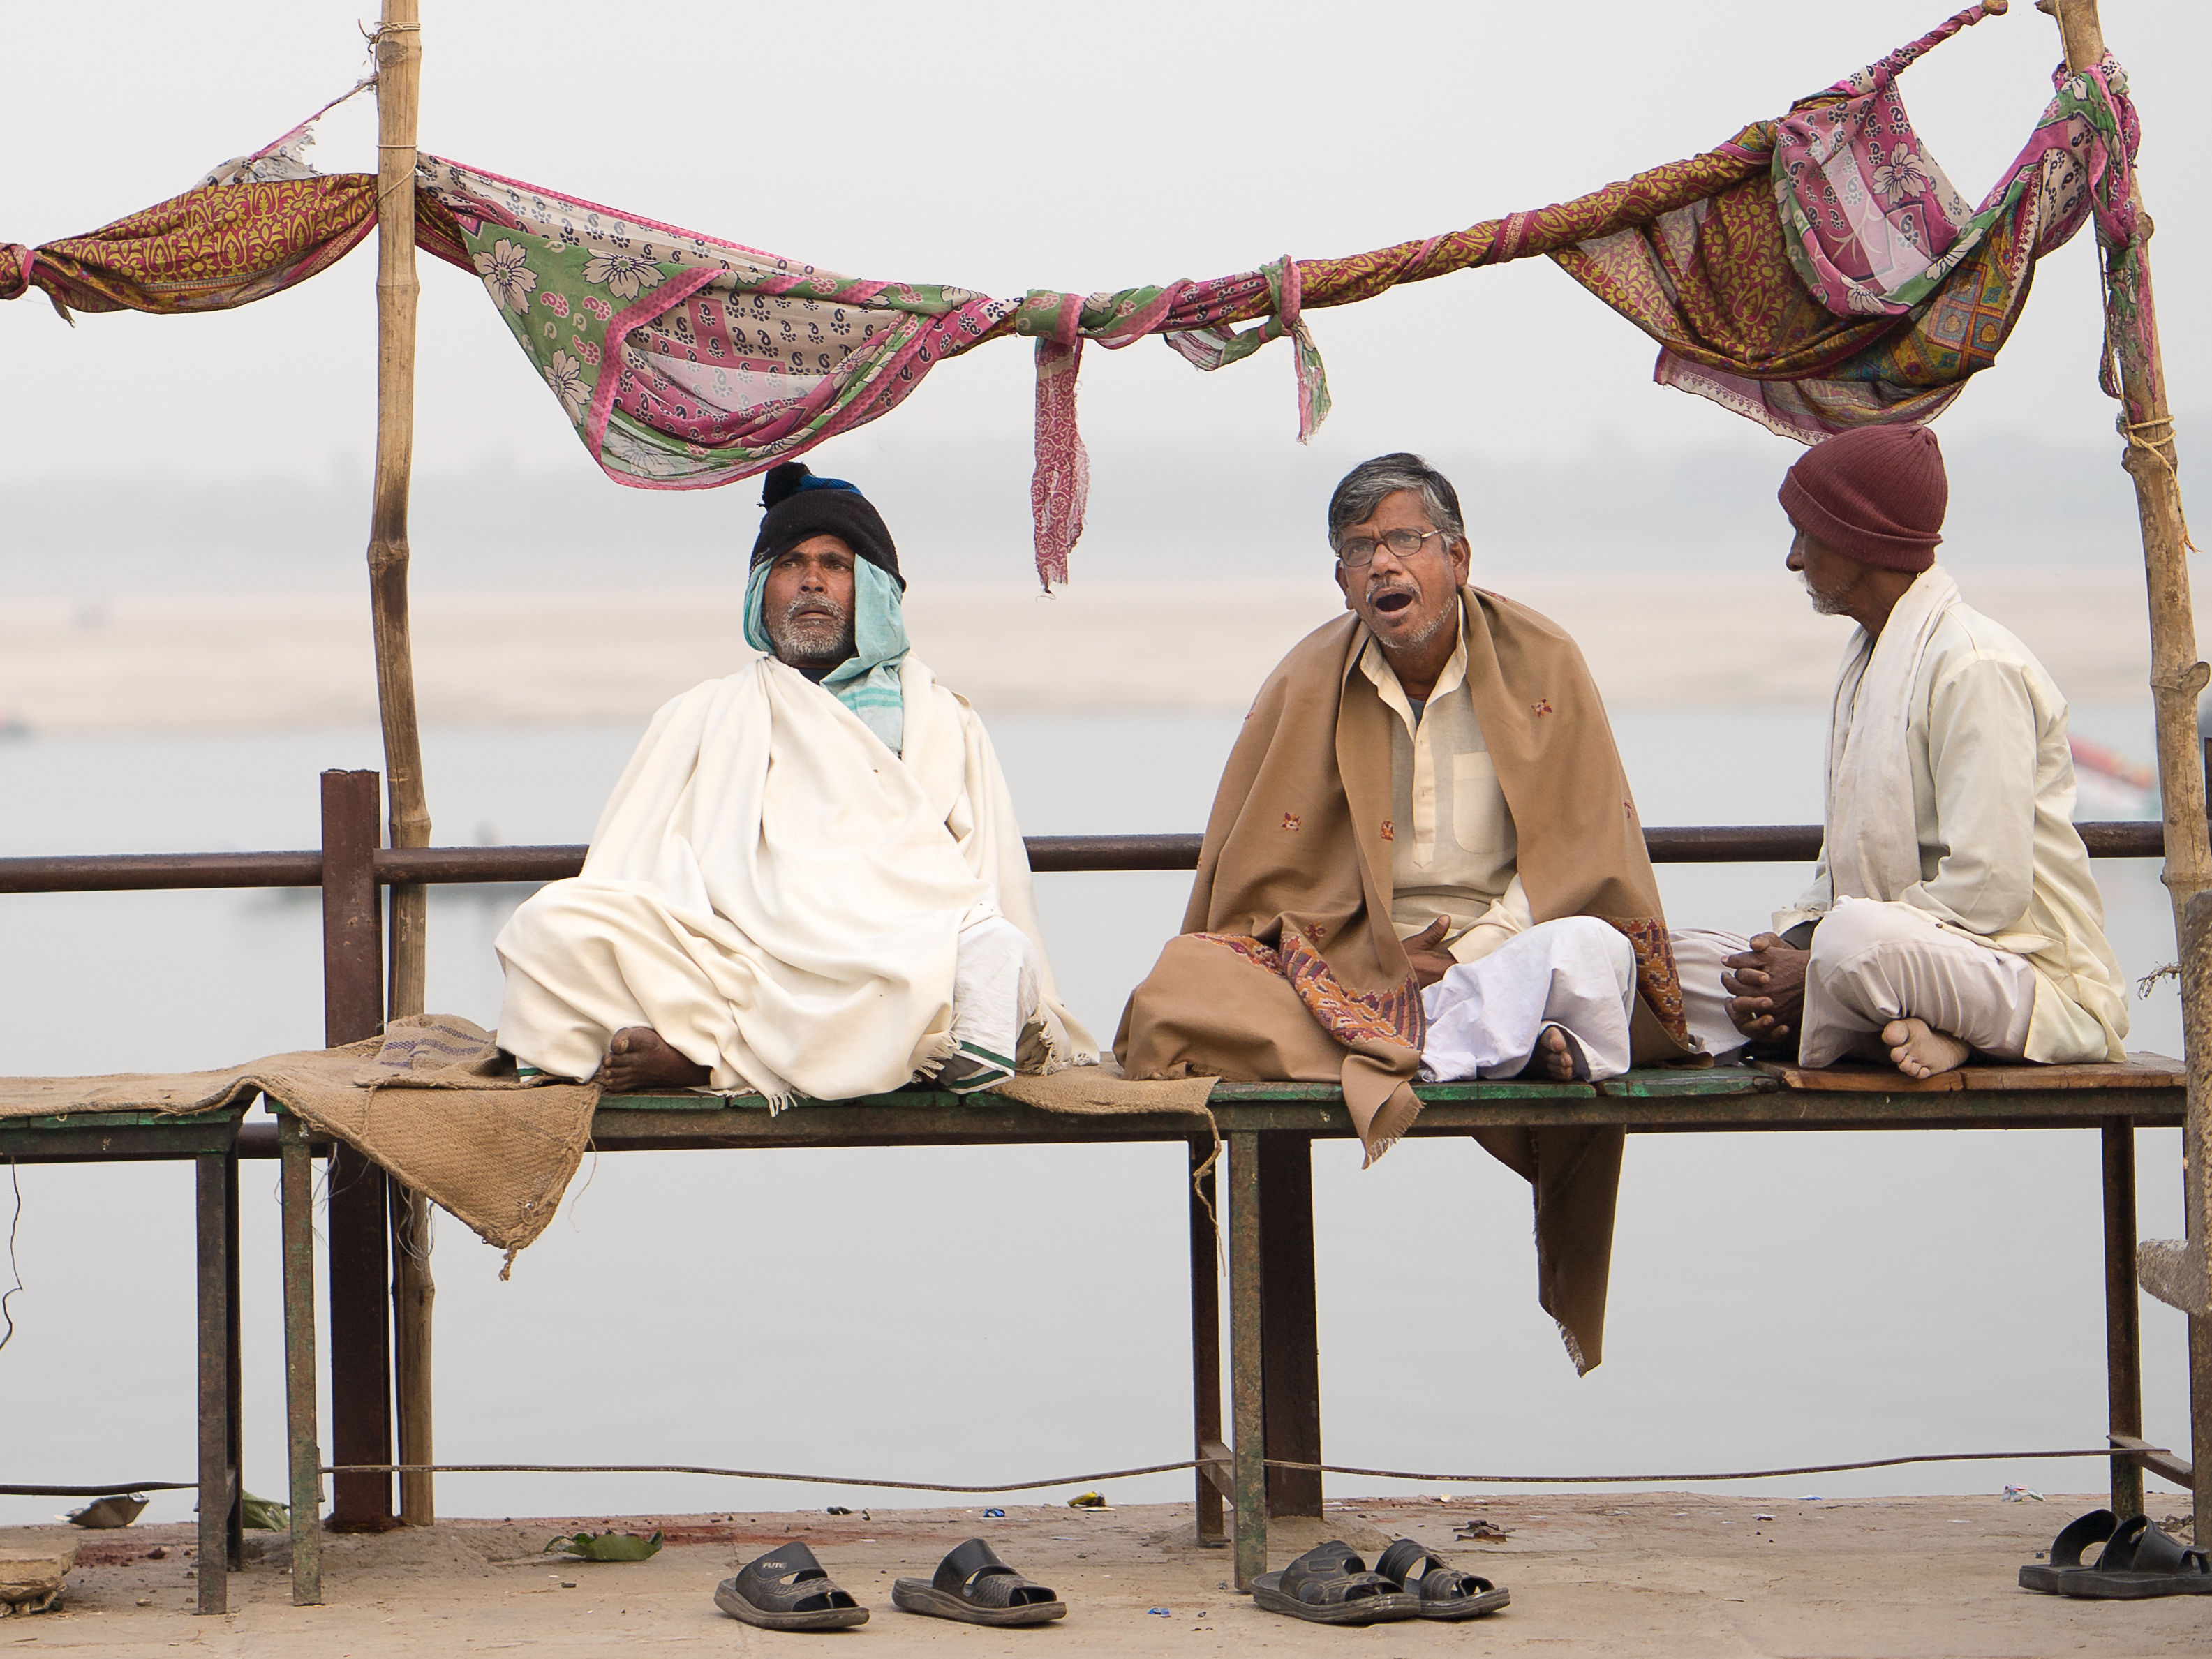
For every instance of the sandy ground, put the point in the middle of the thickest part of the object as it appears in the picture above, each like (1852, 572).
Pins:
(1656, 1573)
(166, 662)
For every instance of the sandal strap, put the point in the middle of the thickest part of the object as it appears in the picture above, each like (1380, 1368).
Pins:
(1406, 1559)
(1332, 1574)
(2079, 1534)
(811, 1589)
(973, 1571)
(2140, 1546)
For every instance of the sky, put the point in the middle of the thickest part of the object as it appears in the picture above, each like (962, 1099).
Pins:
(1004, 147)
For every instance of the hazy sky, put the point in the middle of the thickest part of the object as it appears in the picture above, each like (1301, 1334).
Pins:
(1007, 146)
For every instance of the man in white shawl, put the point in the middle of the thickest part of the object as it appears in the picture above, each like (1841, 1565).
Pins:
(809, 881)
(1952, 911)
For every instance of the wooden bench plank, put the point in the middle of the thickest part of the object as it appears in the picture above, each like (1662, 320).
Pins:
(2140, 1071)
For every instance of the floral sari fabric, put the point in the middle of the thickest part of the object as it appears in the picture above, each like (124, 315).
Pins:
(1815, 273)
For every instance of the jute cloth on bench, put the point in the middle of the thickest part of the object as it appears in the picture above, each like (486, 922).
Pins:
(435, 1102)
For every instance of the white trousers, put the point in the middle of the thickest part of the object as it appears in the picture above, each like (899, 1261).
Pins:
(1874, 962)
(995, 989)
(1485, 1016)
(1700, 957)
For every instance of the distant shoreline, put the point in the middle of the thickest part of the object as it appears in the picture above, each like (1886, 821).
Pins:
(543, 657)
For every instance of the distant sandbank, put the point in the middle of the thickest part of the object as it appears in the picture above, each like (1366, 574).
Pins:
(508, 657)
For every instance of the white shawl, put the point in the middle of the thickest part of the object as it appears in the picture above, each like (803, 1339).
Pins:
(771, 883)
(1872, 847)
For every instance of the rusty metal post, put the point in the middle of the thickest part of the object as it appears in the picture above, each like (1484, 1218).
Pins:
(1205, 1347)
(234, 1376)
(359, 1233)
(218, 1477)
(297, 1221)
(1289, 1336)
(1247, 1412)
(2122, 1311)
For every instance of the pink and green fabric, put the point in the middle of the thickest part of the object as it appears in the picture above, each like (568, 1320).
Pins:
(1815, 273)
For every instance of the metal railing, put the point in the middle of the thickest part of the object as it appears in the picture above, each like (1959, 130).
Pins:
(1758, 843)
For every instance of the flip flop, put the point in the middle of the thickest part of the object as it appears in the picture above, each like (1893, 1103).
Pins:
(787, 1589)
(974, 1587)
(1445, 1592)
(2138, 1560)
(1330, 1585)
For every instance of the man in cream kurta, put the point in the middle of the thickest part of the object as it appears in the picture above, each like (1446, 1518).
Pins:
(1565, 986)
(809, 881)
(1952, 911)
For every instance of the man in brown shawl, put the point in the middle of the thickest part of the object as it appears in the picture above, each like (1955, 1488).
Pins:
(1424, 841)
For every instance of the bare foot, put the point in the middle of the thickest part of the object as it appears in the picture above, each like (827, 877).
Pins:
(638, 1062)
(1556, 1054)
(1918, 1051)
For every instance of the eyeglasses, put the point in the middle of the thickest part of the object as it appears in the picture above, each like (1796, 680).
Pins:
(1359, 552)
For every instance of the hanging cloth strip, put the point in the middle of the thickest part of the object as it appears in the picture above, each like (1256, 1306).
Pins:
(1815, 273)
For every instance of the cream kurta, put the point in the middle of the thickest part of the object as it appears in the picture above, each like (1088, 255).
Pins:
(1453, 845)
(1993, 811)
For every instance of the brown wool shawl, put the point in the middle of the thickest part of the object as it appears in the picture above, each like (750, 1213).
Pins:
(1288, 966)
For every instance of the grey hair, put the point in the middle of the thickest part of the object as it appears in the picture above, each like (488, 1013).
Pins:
(1365, 487)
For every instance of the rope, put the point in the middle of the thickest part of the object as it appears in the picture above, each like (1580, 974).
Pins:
(2137, 1453)
(2133, 431)
(1729, 1475)
(1195, 1462)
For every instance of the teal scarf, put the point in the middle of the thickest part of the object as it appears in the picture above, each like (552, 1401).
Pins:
(867, 681)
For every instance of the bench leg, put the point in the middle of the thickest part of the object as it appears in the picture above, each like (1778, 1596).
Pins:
(2123, 1310)
(217, 1477)
(233, 1382)
(299, 1230)
(1290, 1367)
(1214, 1480)
(1245, 1385)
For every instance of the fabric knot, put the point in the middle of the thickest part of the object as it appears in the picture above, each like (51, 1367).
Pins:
(16, 263)
(1218, 346)
(1047, 316)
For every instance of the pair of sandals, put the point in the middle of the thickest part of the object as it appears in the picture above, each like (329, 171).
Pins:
(1331, 1585)
(2139, 1559)
(787, 1589)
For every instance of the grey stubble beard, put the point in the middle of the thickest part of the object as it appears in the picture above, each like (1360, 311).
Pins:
(811, 637)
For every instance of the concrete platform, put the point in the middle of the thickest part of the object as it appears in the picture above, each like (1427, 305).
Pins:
(1649, 1573)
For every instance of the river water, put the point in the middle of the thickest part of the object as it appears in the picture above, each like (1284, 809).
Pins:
(988, 1313)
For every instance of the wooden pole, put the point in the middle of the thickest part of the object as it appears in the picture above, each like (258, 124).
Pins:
(2179, 1271)
(398, 46)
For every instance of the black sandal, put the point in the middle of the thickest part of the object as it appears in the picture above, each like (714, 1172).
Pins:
(1330, 1585)
(2138, 1560)
(1445, 1592)
(787, 1589)
(974, 1587)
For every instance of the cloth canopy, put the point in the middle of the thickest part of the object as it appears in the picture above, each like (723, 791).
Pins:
(1815, 273)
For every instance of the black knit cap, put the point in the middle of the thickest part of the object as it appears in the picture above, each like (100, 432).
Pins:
(800, 504)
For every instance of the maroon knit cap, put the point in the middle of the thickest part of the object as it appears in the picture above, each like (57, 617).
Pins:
(1876, 495)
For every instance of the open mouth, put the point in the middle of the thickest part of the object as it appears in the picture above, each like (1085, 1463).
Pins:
(1391, 602)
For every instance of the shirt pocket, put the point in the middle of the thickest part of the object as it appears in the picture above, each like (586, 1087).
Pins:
(1480, 823)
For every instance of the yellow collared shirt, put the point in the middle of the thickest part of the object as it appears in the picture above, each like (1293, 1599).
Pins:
(1453, 849)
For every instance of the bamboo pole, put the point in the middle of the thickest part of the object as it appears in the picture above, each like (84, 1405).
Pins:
(2177, 1271)
(398, 48)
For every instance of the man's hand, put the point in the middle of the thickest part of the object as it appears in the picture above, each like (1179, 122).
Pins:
(1425, 950)
(1766, 989)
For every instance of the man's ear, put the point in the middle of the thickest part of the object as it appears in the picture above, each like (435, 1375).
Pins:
(1344, 586)
(1462, 561)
